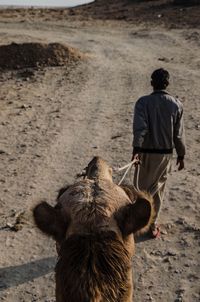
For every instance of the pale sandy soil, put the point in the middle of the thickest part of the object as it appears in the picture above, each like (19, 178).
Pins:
(54, 122)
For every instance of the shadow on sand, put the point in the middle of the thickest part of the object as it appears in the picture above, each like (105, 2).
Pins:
(142, 238)
(16, 275)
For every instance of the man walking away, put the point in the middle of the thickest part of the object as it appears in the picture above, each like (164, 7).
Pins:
(157, 129)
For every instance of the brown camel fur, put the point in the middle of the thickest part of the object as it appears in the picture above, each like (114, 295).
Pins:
(93, 223)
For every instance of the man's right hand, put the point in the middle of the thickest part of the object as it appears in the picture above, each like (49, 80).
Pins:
(135, 157)
(180, 163)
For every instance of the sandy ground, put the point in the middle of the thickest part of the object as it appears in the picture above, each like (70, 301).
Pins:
(55, 120)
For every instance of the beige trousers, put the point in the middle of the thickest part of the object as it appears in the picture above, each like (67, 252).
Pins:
(151, 176)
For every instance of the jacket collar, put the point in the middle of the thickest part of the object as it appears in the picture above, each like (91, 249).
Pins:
(160, 92)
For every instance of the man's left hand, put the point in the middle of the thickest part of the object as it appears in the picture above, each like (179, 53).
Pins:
(180, 163)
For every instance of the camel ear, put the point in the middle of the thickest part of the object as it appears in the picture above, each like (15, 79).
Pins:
(50, 220)
(134, 217)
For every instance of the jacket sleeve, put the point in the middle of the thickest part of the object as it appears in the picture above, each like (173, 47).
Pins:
(140, 125)
(179, 134)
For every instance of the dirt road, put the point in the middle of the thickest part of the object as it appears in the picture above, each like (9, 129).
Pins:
(54, 121)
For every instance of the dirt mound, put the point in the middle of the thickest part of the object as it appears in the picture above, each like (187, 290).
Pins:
(17, 56)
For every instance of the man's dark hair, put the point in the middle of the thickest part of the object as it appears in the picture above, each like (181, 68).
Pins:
(160, 79)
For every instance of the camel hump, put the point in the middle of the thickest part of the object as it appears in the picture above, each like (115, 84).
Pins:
(98, 168)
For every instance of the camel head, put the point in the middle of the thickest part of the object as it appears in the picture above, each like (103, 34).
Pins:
(92, 224)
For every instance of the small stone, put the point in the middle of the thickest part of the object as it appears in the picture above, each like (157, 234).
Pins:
(171, 253)
(32, 187)
(150, 298)
(12, 159)
(169, 226)
(24, 106)
(27, 193)
(164, 232)
(167, 260)
(163, 59)
(23, 145)
(37, 155)
(9, 225)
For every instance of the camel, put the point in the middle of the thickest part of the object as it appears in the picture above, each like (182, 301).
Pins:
(93, 224)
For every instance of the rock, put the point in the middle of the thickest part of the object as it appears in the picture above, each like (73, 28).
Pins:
(12, 159)
(116, 136)
(9, 225)
(24, 106)
(37, 155)
(163, 59)
(150, 298)
(169, 226)
(164, 232)
(177, 271)
(167, 260)
(2, 151)
(32, 186)
(171, 253)
(27, 193)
